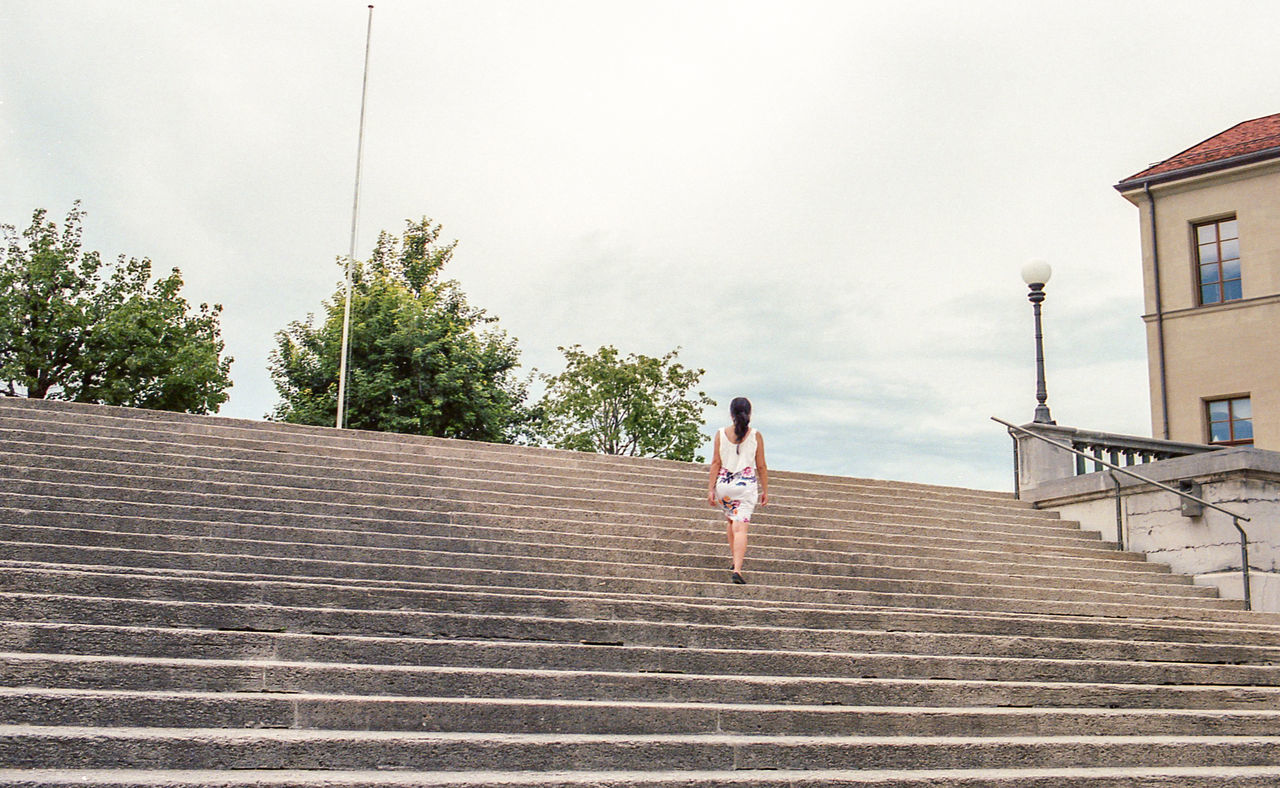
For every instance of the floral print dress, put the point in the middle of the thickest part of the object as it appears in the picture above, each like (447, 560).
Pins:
(736, 487)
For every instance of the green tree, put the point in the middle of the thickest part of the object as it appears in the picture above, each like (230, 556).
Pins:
(68, 332)
(638, 406)
(422, 360)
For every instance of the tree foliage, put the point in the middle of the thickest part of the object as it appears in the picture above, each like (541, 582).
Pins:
(422, 360)
(638, 405)
(69, 332)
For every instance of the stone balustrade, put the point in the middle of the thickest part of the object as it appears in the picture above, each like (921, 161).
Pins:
(1205, 545)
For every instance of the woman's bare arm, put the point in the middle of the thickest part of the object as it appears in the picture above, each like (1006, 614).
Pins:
(762, 470)
(715, 470)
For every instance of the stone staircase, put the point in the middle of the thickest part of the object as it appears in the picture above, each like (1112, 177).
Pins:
(195, 601)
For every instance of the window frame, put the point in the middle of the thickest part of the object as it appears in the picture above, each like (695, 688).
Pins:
(1231, 420)
(1198, 264)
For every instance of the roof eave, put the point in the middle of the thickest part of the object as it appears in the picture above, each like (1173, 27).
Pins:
(1133, 184)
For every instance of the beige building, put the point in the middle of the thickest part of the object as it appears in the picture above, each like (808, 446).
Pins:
(1210, 219)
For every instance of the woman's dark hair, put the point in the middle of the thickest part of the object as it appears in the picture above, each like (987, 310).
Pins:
(740, 412)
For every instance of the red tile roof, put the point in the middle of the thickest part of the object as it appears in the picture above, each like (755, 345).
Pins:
(1252, 136)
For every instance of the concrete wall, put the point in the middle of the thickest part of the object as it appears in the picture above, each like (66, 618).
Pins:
(1243, 480)
(1223, 350)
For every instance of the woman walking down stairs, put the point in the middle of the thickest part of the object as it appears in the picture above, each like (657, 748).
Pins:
(198, 601)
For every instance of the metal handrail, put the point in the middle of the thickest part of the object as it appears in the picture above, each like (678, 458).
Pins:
(1113, 469)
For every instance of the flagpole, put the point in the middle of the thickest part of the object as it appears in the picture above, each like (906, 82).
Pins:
(351, 253)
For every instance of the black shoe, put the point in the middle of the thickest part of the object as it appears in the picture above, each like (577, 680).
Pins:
(737, 578)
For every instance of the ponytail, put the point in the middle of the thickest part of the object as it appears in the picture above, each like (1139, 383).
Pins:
(740, 412)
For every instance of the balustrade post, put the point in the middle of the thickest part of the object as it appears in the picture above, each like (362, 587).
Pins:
(1040, 462)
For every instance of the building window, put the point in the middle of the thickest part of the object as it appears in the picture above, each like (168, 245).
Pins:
(1230, 421)
(1218, 258)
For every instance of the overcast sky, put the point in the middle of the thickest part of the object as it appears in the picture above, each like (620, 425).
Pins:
(826, 205)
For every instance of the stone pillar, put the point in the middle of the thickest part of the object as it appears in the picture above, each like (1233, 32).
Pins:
(1039, 462)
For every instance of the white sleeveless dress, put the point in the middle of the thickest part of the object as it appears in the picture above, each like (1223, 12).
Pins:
(736, 487)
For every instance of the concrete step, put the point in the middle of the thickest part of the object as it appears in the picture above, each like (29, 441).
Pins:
(704, 624)
(689, 535)
(1084, 777)
(148, 674)
(687, 547)
(170, 643)
(37, 481)
(60, 413)
(703, 584)
(652, 569)
(670, 556)
(213, 436)
(657, 499)
(1081, 777)
(32, 747)
(25, 446)
(126, 500)
(310, 711)
(183, 428)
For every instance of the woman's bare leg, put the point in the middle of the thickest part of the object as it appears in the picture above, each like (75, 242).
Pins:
(729, 530)
(738, 542)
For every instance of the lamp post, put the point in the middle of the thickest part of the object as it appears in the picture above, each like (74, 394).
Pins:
(1036, 274)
